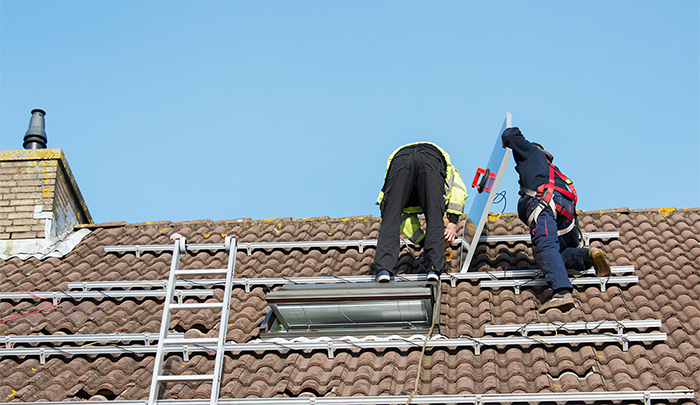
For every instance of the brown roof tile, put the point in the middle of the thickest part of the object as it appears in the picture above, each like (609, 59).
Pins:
(663, 249)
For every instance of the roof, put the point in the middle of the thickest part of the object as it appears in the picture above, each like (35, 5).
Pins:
(661, 244)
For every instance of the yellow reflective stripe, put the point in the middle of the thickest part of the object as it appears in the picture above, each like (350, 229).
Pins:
(455, 208)
(380, 198)
(410, 226)
(454, 202)
(459, 186)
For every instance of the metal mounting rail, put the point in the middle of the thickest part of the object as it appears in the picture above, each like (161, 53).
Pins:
(539, 282)
(248, 246)
(330, 345)
(646, 397)
(556, 327)
(147, 338)
(58, 295)
(587, 236)
(360, 244)
(528, 273)
(247, 283)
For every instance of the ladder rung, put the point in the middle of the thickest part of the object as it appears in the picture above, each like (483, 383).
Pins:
(201, 272)
(193, 341)
(186, 377)
(197, 306)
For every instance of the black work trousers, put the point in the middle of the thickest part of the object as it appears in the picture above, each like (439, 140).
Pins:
(416, 177)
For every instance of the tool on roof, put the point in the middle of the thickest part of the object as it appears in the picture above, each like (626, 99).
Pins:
(486, 187)
(486, 183)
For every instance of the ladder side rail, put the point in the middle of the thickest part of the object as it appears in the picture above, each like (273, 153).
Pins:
(165, 323)
(223, 324)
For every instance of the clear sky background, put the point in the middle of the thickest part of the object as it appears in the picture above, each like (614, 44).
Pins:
(184, 110)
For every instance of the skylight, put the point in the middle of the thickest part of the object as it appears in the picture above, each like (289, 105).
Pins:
(397, 308)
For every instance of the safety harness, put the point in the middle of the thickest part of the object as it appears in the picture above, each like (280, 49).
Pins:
(545, 194)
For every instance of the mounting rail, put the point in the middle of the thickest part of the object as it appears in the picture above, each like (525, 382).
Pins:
(360, 244)
(540, 282)
(147, 338)
(247, 283)
(58, 295)
(330, 345)
(556, 327)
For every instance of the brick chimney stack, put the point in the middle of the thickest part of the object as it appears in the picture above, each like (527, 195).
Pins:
(40, 202)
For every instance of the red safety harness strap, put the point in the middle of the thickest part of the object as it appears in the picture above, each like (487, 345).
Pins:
(545, 192)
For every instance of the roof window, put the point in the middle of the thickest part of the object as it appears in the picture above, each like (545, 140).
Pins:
(357, 309)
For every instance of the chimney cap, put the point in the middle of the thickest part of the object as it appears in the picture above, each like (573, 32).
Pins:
(35, 137)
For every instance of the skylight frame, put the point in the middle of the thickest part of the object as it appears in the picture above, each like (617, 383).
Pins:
(352, 309)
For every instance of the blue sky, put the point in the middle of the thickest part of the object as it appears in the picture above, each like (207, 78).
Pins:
(184, 110)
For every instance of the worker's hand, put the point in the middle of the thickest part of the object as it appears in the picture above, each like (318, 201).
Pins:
(450, 232)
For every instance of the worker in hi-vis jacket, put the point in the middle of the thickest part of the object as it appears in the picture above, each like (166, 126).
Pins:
(419, 178)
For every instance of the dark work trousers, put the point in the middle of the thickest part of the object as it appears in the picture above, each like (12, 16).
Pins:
(416, 177)
(554, 253)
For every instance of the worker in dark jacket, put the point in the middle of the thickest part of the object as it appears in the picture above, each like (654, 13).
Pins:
(419, 178)
(548, 206)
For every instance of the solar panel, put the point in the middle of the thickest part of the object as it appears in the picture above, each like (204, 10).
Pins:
(486, 182)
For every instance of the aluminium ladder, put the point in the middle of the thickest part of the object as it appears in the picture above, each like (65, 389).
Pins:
(158, 379)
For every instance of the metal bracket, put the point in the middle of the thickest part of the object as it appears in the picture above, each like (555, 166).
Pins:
(180, 243)
(331, 352)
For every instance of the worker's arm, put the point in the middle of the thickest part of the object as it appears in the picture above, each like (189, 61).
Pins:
(514, 139)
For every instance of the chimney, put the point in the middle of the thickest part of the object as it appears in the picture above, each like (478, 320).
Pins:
(40, 202)
(35, 137)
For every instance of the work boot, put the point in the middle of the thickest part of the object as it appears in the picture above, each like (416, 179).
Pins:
(383, 277)
(433, 276)
(600, 263)
(562, 301)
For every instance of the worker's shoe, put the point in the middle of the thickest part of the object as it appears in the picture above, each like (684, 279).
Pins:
(433, 276)
(383, 277)
(600, 263)
(561, 301)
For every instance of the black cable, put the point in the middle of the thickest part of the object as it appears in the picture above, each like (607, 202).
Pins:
(501, 197)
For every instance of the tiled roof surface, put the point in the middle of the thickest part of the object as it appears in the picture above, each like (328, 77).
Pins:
(662, 245)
